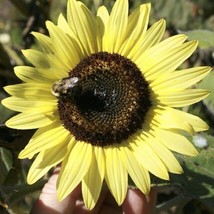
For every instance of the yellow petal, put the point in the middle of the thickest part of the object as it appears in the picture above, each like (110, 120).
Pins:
(136, 30)
(183, 98)
(116, 175)
(116, 27)
(179, 80)
(74, 168)
(33, 75)
(137, 172)
(37, 58)
(31, 91)
(176, 142)
(47, 61)
(64, 26)
(45, 138)
(23, 105)
(55, 72)
(157, 61)
(45, 160)
(153, 35)
(165, 155)
(65, 49)
(175, 119)
(93, 180)
(102, 20)
(29, 121)
(103, 15)
(83, 24)
(44, 41)
(148, 158)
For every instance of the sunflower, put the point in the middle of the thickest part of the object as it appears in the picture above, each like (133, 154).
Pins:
(103, 92)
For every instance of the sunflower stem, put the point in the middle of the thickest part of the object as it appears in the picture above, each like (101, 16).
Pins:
(178, 201)
(14, 193)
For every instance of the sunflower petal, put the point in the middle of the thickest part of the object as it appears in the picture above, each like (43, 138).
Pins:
(64, 26)
(44, 42)
(31, 91)
(47, 62)
(83, 24)
(36, 58)
(102, 20)
(45, 138)
(116, 27)
(45, 160)
(29, 121)
(103, 15)
(74, 168)
(136, 30)
(175, 119)
(183, 98)
(23, 105)
(148, 158)
(116, 176)
(92, 182)
(65, 50)
(179, 80)
(158, 61)
(32, 75)
(137, 172)
(165, 155)
(176, 142)
(153, 35)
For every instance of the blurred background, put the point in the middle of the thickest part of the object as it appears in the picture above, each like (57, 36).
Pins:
(192, 192)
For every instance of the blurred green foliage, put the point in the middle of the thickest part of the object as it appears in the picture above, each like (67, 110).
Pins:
(19, 17)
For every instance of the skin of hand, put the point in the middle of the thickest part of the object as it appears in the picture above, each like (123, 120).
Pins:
(135, 202)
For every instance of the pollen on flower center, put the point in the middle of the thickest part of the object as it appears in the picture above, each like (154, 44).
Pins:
(105, 101)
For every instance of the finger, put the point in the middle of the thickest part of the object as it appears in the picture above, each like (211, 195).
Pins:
(152, 200)
(137, 202)
(48, 203)
(81, 209)
(110, 205)
(107, 209)
(106, 204)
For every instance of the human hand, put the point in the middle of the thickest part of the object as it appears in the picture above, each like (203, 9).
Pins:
(135, 202)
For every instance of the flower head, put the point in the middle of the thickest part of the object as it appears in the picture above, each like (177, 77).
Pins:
(102, 94)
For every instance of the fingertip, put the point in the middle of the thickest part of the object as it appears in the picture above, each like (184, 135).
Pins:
(48, 203)
(137, 202)
(134, 202)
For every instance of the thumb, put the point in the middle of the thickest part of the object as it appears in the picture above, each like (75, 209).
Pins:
(48, 203)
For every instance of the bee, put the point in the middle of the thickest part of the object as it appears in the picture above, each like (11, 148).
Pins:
(66, 88)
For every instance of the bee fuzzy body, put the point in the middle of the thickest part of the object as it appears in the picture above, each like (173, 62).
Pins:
(66, 87)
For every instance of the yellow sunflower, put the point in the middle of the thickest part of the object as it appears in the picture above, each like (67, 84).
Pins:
(102, 94)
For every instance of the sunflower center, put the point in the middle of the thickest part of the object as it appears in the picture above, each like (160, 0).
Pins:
(104, 100)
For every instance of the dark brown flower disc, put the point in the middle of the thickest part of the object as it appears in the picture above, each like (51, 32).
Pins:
(109, 101)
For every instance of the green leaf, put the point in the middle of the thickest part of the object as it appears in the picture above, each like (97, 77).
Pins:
(5, 112)
(207, 83)
(198, 178)
(5, 163)
(205, 37)
(173, 11)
